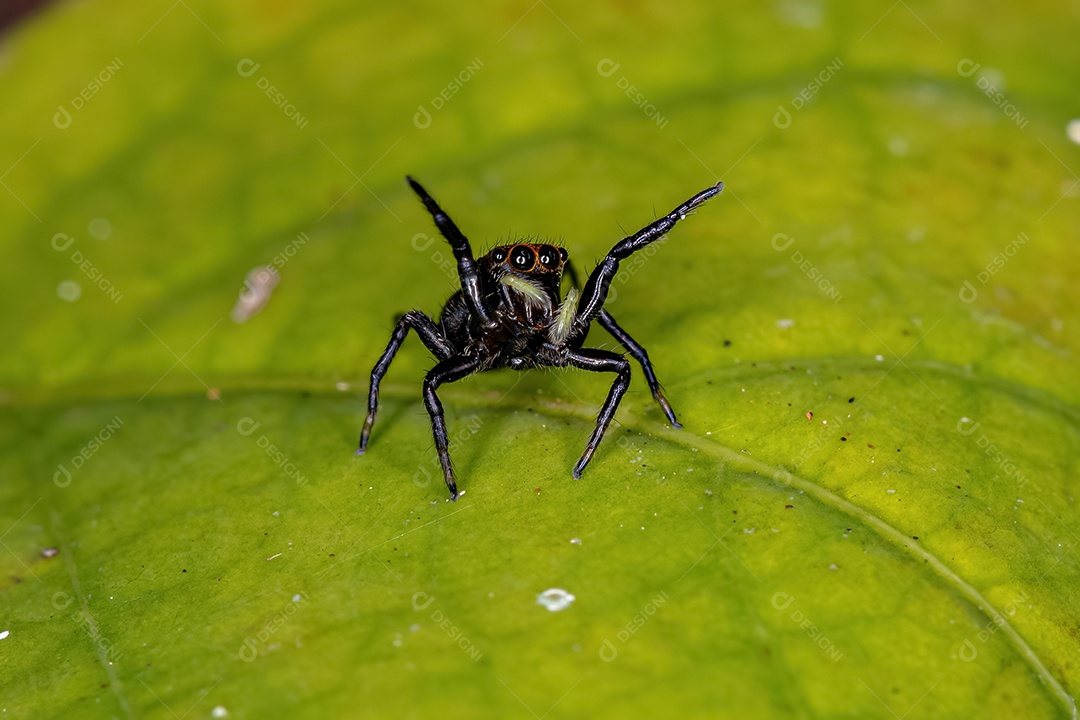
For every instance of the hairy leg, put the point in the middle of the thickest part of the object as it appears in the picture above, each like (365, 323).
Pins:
(638, 353)
(596, 287)
(459, 244)
(429, 333)
(601, 361)
(449, 370)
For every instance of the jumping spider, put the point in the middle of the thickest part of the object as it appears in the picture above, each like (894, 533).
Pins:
(508, 313)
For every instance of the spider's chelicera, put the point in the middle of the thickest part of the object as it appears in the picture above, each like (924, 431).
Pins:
(509, 313)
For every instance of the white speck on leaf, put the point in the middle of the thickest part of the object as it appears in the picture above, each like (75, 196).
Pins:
(555, 599)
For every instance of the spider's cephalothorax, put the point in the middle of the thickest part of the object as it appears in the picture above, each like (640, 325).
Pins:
(509, 313)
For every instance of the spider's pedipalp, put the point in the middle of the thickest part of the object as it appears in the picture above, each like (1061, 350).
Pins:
(564, 320)
(534, 296)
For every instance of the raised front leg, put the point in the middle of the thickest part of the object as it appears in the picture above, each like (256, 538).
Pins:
(429, 333)
(634, 348)
(601, 361)
(638, 353)
(459, 244)
(448, 370)
(596, 287)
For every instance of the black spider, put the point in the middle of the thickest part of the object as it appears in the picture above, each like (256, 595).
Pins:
(508, 313)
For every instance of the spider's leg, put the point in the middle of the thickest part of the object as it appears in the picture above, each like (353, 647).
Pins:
(448, 370)
(596, 287)
(459, 244)
(429, 333)
(638, 353)
(601, 361)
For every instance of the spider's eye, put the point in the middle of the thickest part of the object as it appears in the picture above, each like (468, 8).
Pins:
(522, 258)
(498, 255)
(549, 257)
(563, 254)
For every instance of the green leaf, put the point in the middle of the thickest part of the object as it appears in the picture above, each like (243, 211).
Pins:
(871, 510)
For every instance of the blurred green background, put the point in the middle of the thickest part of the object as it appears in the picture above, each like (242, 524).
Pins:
(869, 337)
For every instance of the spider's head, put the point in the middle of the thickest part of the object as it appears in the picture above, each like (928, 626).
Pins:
(533, 270)
(529, 259)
